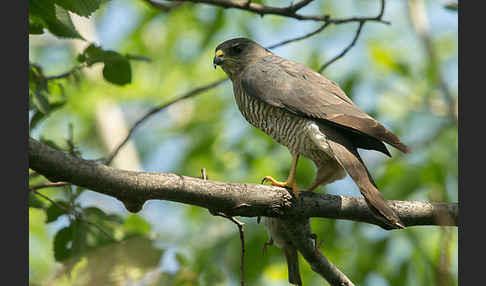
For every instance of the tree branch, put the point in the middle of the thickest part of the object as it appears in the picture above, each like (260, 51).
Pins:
(289, 11)
(299, 231)
(317, 31)
(233, 199)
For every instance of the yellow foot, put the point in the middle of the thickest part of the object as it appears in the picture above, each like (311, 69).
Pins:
(290, 185)
(275, 182)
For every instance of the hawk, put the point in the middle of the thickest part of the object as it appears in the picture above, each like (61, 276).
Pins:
(310, 115)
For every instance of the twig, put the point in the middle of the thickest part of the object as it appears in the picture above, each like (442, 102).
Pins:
(242, 239)
(66, 74)
(343, 52)
(203, 174)
(160, 108)
(68, 211)
(48, 185)
(299, 5)
(318, 30)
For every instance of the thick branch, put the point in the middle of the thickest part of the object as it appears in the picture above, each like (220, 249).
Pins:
(233, 199)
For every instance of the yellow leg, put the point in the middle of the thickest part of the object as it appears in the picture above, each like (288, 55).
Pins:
(291, 182)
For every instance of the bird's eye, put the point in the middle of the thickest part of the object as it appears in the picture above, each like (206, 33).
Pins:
(236, 49)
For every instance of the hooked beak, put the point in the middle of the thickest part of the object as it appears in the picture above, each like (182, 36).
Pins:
(218, 58)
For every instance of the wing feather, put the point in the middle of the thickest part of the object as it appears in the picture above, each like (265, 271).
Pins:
(305, 93)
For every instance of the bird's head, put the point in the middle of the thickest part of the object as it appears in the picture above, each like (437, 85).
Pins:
(235, 54)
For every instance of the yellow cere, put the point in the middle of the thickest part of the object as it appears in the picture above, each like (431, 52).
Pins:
(219, 53)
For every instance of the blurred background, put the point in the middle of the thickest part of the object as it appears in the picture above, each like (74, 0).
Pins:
(403, 74)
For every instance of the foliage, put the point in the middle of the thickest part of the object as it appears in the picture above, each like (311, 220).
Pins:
(144, 57)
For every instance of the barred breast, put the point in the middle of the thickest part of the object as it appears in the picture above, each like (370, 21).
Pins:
(285, 128)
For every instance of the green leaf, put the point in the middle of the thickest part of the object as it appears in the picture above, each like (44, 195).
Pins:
(118, 71)
(36, 25)
(117, 68)
(34, 201)
(81, 7)
(62, 240)
(94, 212)
(55, 18)
(92, 54)
(36, 78)
(136, 224)
(54, 212)
(40, 101)
(63, 26)
(44, 9)
(80, 232)
(70, 241)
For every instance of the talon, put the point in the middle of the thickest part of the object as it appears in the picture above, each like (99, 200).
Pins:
(287, 184)
(275, 182)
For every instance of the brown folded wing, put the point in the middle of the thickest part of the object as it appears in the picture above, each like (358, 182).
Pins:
(303, 92)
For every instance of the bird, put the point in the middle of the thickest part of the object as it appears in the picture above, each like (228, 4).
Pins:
(310, 115)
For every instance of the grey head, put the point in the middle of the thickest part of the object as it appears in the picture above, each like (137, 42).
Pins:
(235, 54)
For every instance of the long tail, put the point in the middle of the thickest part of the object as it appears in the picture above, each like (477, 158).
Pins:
(292, 258)
(347, 155)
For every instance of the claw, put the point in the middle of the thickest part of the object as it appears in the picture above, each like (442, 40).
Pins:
(288, 185)
(275, 182)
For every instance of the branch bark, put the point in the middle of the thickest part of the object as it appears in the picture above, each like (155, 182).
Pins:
(233, 199)
(299, 231)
